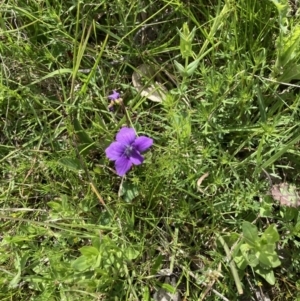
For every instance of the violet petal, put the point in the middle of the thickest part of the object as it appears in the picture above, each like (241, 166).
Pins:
(122, 165)
(142, 143)
(136, 157)
(114, 96)
(115, 150)
(126, 136)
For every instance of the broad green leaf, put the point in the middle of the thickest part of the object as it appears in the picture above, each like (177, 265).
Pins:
(267, 274)
(81, 264)
(296, 230)
(89, 251)
(245, 248)
(108, 261)
(192, 67)
(96, 242)
(157, 264)
(267, 248)
(289, 72)
(271, 235)
(250, 233)
(264, 260)
(288, 213)
(16, 239)
(249, 255)
(128, 192)
(169, 288)
(180, 68)
(266, 208)
(269, 260)
(14, 282)
(241, 262)
(24, 259)
(146, 294)
(131, 253)
(186, 39)
(253, 260)
(231, 239)
(70, 163)
(55, 206)
(120, 256)
(288, 47)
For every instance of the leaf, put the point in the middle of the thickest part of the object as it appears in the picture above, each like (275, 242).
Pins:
(157, 264)
(253, 260)
(192, 67)
(267, 248)
(16, 239)
(271, 235)
(81, 264)
(96, 242)
(83, 136)
(86, 143)
(186, 39)
(289, 213)
(89, 251)
(287, 47)
(131, 253)
(52, 74)
(250, 233)
(289, 72)
(249, 255)
(128, 191)
(269, 260)
(261, 104)
(169, 288)
(266, 208)
(55, 206)
(14, 282)
(70, 163)
(146, 294)
(143, 81)
(267, 274)
(241, 262)
(282, 7)
(180, 68)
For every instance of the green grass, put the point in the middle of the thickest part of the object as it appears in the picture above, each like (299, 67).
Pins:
(71, 229)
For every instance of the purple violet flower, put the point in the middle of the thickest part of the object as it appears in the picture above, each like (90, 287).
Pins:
(127, 149)
(114, 96)
(113, 99)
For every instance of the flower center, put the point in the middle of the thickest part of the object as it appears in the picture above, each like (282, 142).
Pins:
(128, 150)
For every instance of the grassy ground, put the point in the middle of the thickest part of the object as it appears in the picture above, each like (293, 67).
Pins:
(207, 215)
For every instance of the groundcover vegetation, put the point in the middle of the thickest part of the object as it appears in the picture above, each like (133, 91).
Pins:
(149, 148)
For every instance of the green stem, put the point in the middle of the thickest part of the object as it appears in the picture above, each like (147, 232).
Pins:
(232, 265)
